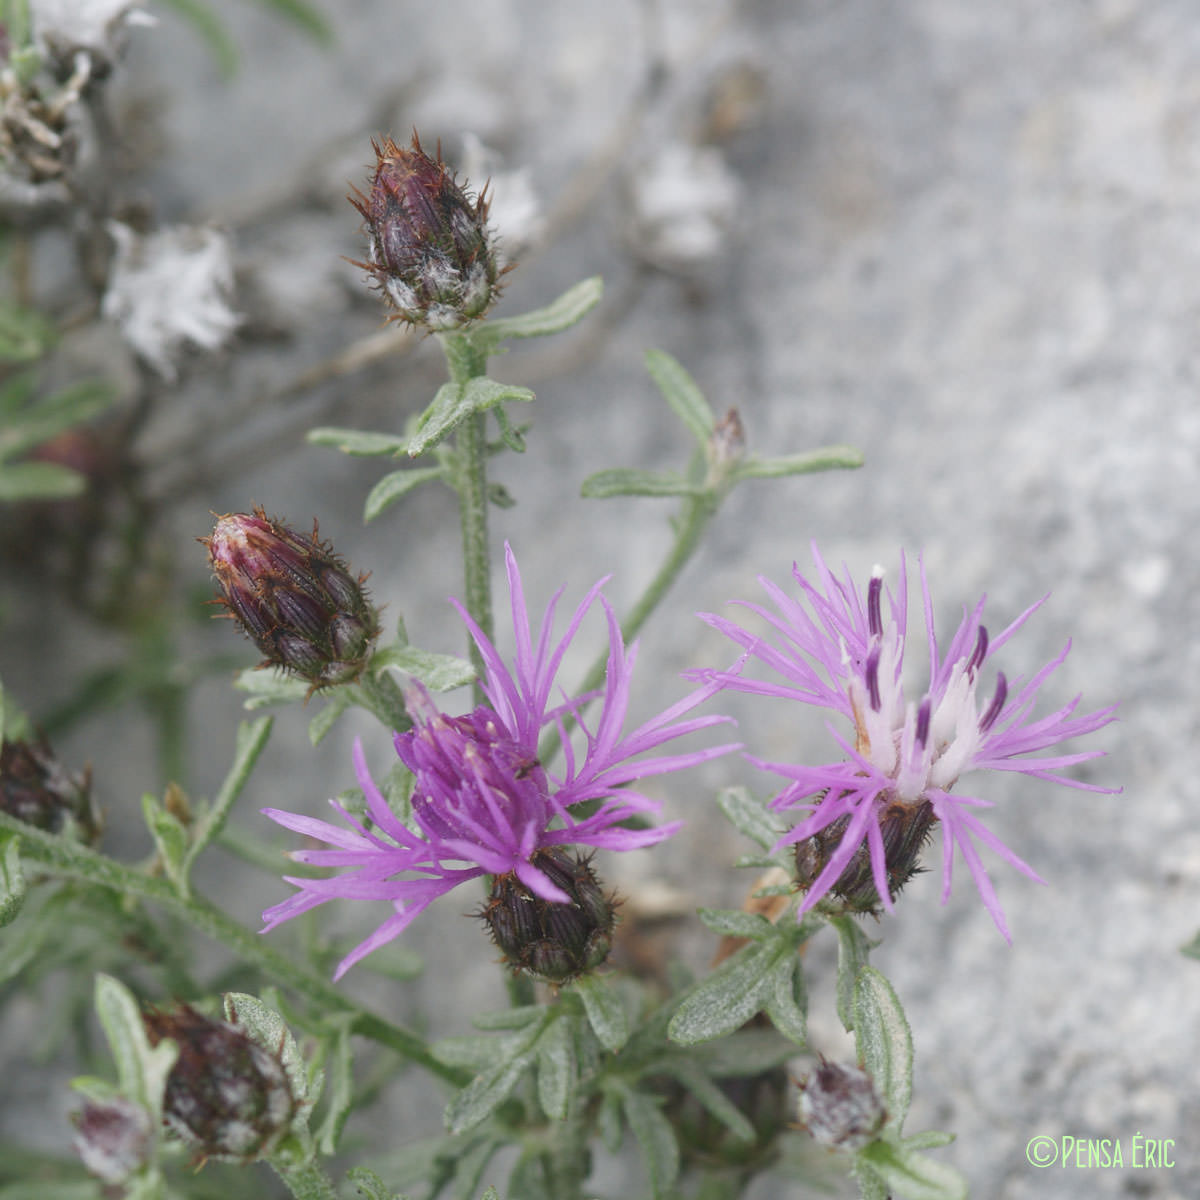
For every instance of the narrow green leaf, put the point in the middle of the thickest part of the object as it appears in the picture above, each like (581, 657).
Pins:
(141, 1069)
(729, 997)
(692, 1077)
(438, 672)
(267, 1027)
(884, 1042)
(853, 949)
(510, 435)
(251, 738)
(359, 442)
(476, 1102)
(520, 1017)
(749, 816)
(931, 1139)
(608, 1121)
(170, 839)
(269, 686)
(211, 30)
(327, 718)
(787, 1003)
(572, 306)
(395, 486)
(911, 1176)
(341, 1090)
(681, 393)
(24, 333)
(12, 878)
(555, 1069)
(53, 414)
(453, 403)
(604, 1010)
(656, 1139)
(370, 1185)
(470, 1166)
(490, 1194)
(527, 1179)
(827, 458)
(305, 17)
(733, 922)
(39, 481)
(629, 481)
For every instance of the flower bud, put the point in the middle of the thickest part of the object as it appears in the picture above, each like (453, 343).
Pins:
(226, 1096)
(37, 789)
(429, 247)
(113, 1138)
(554, 942)
(905, 830)
(294, 597)
(840, 1107)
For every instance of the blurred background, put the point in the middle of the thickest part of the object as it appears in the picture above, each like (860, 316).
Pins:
(963, 238)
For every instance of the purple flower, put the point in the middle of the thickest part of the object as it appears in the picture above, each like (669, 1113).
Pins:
(875, 807)
(482, 801)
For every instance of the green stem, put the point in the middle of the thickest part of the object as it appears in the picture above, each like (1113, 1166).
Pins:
(466, 362)
(69, 860)
(306, 1181)
(697, 512)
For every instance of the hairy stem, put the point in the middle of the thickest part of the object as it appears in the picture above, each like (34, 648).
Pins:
(68, 860)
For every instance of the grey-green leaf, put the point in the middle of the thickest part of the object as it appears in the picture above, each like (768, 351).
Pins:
(749, 816)
(728, 998)
(370, 1185)
(656, 1139)
(787, 1002)
(909, 1175)
(853, 948)
(39, 481)
(359, 442)
(681, 393)
(629, 481)
(12, 878)
(733, 922)
(395, 486)
(604, 1010)
(141, 1069)
(827, 458)
(572, 306)
(555, 1069)
(884, 1042)
(438, 672)
(454, 403)
(476, 1102)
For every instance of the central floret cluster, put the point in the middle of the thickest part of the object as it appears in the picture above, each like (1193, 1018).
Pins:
(482, 801)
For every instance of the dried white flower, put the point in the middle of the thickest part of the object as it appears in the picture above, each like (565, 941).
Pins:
(683, 206)
(170, 289)
(514, 211)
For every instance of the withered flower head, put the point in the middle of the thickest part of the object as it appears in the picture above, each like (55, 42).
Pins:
(113, 1138)
(294, 597)
(429, 247)
(37, 789)
(840, 1107)
(226, 1096)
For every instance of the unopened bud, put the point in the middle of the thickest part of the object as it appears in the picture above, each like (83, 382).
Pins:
(904, 828)
(429, 247)
(226, 1096)
(294, 597)
(727, 442)
(840, 1107)
(552, 941)
(37, 789)
(113, 1138)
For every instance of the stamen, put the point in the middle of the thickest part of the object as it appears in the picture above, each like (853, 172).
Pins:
(872, 677)
(923, 714)
(980, 653)
(874, 613)
(989, 717)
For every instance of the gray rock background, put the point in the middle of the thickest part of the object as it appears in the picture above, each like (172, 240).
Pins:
(966, 242)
